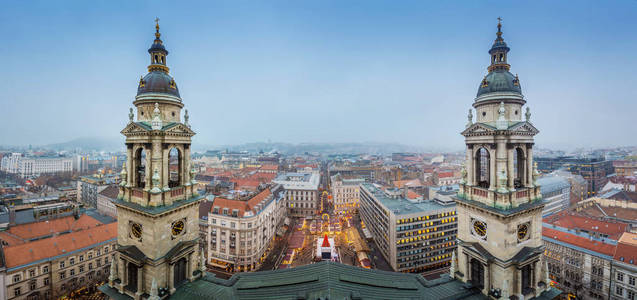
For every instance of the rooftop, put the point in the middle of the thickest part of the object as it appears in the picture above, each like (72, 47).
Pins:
(393, 200)
(298, 181)
(49, 248)
(612, 229)
(552, 183)
(627, 249)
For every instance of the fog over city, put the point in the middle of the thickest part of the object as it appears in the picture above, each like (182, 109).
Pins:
(322, 72)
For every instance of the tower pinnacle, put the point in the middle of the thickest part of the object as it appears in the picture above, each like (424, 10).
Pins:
(499, 51)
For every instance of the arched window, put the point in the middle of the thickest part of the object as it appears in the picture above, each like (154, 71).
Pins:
(174, 168)
(519, 167)
(163, 59)
(501, 57)
(156, 59)
(482, 168)
(140, 168)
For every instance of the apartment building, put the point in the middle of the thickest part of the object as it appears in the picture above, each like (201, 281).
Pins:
(413, 235)
(345, 192)
(240, 229)
(301, 192)
(77, 255)
(27, 166)
(624, 266)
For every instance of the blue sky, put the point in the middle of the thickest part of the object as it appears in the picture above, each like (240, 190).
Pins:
(318, 71)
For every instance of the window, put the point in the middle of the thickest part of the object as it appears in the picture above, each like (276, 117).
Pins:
(62, 275)
(32, 273)
(45, 269)
(631, 280)
(46, 281)
(90, 266)
(61, 264)
(98, 252)
(63, 287)
(81, 268)
(106, 249)
(72, 261)
(620, 276)
(17, 292)
(631, 295)
(72, 272)
(619, 291)
(16, 278)
(32, 285)
(90, 255)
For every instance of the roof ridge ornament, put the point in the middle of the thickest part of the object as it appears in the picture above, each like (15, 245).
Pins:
(528, 114)
(470, 119)
(157, 34)
(130, 115)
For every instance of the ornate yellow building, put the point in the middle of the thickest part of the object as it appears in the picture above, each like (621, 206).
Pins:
(499, 204)
(157, 206)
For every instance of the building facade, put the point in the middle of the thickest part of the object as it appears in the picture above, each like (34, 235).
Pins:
(240, 231)
(42, 265)
(157, 206)
(301, 193)
(413, 236)
(624, 266)
(556, 191)
(345, 192)
(106, 201)
(595, 170)
(499, 203)
(89, 187)
(28, 166)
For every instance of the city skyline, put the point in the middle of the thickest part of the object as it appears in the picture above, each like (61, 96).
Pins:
(301, 73)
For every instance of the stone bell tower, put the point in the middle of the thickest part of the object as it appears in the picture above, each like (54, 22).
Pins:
(499, 204)
(157, 207)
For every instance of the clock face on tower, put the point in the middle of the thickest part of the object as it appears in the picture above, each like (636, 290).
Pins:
(523, 231)
(178, 227)
(136, 230)
(479, 228)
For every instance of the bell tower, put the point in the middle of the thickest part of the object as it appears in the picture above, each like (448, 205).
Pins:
(499, 203)
(157, 206)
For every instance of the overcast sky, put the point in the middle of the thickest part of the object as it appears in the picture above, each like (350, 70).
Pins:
(318, 71)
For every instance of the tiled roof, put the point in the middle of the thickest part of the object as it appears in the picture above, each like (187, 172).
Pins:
(590, 224)
(47, 248)
(242, 182)
(25, 232)
(269, 167)
(579, 241)
(110, 191)
(627, 249)
(240, 205)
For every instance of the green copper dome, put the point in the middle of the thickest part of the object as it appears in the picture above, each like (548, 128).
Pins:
(499, 81)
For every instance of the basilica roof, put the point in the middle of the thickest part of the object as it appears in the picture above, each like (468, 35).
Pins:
(158, 82)
(499, 81)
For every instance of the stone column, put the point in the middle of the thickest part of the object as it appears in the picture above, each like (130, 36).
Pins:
(529, 165)
(165, 175)
(187, 165)
(492, 169)
(122, 275)
(129, 165)
(140, 281)
(510, 166)
(469, 166)
(501, 156)
(148, 169)
(487, 279)
(171, 279)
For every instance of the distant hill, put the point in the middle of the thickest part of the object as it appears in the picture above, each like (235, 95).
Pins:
(323, 148)
(90, 143)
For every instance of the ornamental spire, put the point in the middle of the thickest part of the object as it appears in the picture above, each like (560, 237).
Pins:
(157, 52)
(157, 34)
(499, 51)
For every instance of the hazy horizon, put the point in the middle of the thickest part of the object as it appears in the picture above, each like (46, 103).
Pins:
(318, 72)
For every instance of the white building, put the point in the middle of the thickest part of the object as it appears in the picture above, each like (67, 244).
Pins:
(26, 166)
(556, 191)
(345, 192)
(301, 192)
(240, 230)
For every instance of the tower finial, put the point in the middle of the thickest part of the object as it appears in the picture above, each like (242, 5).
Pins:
(499, 26)
(157, 34)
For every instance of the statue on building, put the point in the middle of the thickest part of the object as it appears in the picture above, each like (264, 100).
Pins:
(154, 291)
(528, 114)
(463, 172)
(186, 117)
(156, 178)
(502, 180)
(130, 114)
(156, 123)
(501, 123)
(470, 118)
